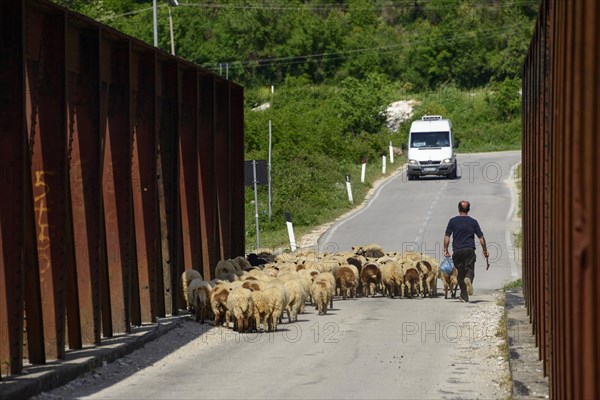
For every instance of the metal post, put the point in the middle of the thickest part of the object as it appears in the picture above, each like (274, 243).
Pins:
(269, 176)
(155, 18)
(227, 71)
(255, 182)
(171, 32)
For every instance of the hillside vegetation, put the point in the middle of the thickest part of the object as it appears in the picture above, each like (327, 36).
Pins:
(335, 67)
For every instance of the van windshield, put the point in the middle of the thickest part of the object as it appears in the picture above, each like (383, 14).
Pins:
(429, 139)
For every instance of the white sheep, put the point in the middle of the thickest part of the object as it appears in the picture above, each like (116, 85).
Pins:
(392, 278)
(261, 307)
(306, 281)
(321, 294)
(240, 306)
(328, 276)
(276, 299)
(295, 300)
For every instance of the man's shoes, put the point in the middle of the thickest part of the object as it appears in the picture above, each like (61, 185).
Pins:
(463, 299)
(469, 286)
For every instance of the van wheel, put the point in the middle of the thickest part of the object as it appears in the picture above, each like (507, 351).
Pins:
(452, 175)
(410, 177)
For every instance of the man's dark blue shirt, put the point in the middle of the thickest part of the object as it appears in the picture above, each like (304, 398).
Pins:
(463, 228)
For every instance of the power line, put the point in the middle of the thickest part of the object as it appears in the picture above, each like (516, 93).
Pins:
(110, 17)
(334, 56)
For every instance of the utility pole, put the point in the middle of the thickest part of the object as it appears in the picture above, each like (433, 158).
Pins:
(155, 19)
(171, 31)
(172, 3)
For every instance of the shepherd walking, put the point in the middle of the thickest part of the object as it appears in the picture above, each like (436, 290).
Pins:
(463, 229)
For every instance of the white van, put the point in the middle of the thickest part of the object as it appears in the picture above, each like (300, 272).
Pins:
(431, 148)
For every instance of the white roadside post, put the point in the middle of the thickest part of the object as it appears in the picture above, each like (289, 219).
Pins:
(391, 153)
(349, 189)
(290, 229)
(383, 164)
(363, 171)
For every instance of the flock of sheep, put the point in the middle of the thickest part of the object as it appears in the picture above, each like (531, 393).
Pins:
(253, 297)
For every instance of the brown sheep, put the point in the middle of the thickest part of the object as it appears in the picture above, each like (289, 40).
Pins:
(218, 303)
(429, 273)
(346, 281)
(251, 285)
(370, 275)
(450, 283)
(412, 281)
(358, 262)
(200, 298)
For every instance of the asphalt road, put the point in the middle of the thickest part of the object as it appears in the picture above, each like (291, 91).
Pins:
(413, 215)
(364, 348)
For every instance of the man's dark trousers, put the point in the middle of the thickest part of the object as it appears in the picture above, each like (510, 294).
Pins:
(464, 261)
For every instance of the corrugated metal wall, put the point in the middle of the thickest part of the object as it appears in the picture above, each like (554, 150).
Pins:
(561, 210)
(120, 167)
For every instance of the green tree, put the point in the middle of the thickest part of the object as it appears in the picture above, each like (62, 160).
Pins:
(362, 104)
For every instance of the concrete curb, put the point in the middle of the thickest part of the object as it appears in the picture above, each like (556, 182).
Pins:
(526, 368)
(39, 378)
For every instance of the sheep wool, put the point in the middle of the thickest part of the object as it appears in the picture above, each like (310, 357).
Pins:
(186, 278)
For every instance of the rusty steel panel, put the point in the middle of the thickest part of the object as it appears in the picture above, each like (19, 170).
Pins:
(145, 189)
(167, 93)
(223, 168)
(121, 166)
(45, 75)
(206, 175)
(116, 177)
(83, 127)
(561, 82)
(188, 161)
(12, 157)
(236, 116)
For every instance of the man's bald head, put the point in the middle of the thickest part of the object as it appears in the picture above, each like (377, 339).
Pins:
(464, 206)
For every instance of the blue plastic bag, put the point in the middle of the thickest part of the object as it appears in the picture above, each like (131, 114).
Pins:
(447, 266)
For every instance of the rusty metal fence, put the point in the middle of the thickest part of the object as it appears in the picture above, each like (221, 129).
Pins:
(120, 166)
(561, 209)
